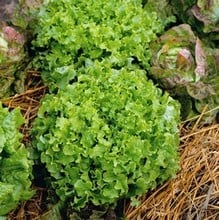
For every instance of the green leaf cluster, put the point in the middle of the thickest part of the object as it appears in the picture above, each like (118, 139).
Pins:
(68, 33)
(15, 167)
(110, 135)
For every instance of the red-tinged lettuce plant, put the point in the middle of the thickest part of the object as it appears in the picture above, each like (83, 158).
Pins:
(12, 59)
(14, 40)
(17, 13)
(110, 135)
(15, 166)
(70, 32)
(202, 15)
(179, 59)
(208, 13)
(184, 66)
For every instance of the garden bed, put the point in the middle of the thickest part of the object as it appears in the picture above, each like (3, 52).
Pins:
(117, 76)
(192, 194)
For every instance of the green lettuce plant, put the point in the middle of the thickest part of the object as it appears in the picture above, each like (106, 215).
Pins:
(163, 9)
(110, 135)
(15, 167)
(70, 32)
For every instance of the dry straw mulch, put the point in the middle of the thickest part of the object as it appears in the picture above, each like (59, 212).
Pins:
(31, 209)
(194, 193)
(28, 102)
